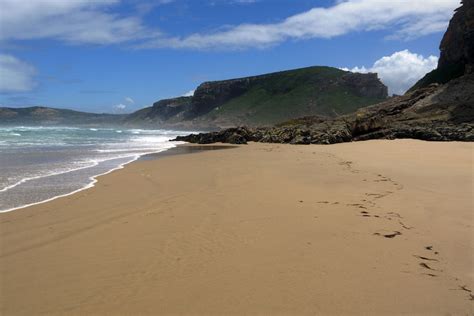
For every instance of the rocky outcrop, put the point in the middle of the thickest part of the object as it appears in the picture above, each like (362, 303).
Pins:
(457, 49)
(457, 45)
(165, 109)
(365, 85)
(210, 95)
(436, 113)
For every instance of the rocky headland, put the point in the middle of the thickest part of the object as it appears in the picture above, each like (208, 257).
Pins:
(266, 99)
(440, 107)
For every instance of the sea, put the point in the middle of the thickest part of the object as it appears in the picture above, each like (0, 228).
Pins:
(39, 164)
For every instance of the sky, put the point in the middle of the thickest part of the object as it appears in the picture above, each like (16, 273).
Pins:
(117, 56)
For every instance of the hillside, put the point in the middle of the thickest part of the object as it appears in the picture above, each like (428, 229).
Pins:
(51, 116)
(267, 99)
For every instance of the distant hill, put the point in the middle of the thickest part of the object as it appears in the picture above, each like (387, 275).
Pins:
(254, 101)
(50, 116)
(266, 99)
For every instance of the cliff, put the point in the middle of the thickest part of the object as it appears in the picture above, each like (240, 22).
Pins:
(267, 99)
(456, 48)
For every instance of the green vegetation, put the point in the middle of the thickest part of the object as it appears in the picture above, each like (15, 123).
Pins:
(277, 97)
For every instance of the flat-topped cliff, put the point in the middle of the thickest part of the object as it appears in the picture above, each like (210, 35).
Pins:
(267, 99)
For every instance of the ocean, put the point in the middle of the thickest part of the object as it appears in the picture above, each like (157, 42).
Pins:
(38, 164)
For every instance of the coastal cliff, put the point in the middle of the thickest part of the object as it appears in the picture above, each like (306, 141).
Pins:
(456, 48)
(267, 99)
(440, 107)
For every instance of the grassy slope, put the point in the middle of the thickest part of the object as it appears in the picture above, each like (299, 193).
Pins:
(290, 94)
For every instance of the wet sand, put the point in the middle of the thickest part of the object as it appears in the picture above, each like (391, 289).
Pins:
(369, 228)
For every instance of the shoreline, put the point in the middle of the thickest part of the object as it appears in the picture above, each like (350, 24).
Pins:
(357, 228)
(179, 149)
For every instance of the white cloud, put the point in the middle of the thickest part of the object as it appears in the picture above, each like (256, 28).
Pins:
(96, 22)
(189, 93)
(405, 19)
(15, 75)
(129, 100)
(120, 107)
(401, 70)
(75, 21)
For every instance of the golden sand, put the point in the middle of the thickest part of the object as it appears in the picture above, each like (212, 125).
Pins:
(370, 228)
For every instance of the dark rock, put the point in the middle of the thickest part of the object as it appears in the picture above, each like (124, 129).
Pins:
(457, 45)
(457, 49)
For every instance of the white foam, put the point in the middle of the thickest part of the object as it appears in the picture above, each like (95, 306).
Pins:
(93, 180)
(92, 162)
(24, 180)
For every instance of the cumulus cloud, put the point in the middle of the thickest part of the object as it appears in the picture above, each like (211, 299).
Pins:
(15, 75)
(401, 70)
(129, 100)
(404, 19)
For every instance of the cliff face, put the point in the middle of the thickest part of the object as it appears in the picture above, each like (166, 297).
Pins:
(267, 99)
(365, 85)
(210, 95)
(457, 48)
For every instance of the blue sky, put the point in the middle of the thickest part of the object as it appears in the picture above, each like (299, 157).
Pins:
(122, 55)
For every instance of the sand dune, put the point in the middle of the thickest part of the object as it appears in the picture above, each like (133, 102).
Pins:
(370, 228)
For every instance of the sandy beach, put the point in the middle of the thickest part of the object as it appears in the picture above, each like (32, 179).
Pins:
(369, 228)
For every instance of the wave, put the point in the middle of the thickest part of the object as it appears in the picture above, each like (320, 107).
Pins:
(93, 163)
(92, 179)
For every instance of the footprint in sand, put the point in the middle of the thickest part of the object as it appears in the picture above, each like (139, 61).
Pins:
(389, 235)
(425, 258)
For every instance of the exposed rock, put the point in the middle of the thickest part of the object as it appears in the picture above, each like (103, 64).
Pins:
(165, 109)
(457, 45)
(365, 85)
(457, 49)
